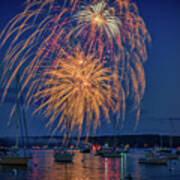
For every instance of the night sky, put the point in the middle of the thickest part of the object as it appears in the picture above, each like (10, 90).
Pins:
(162, 97)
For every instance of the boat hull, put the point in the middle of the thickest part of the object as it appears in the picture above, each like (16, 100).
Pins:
(171, 157)
(153, 161)
(111, 155)
(63, 157)
(14, 161)
(85, 150)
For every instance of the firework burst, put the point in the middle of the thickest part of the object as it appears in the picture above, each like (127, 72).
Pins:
(97, 28)
(78, 87)
(113, 31)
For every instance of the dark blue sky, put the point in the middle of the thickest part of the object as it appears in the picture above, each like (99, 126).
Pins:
(162, 96)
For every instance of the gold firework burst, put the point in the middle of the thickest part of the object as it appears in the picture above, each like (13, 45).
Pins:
(78, 87)
(114, 32)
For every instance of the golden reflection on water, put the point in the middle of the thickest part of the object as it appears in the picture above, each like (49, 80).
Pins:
(137, 168)
(85, 167)
(88, 167)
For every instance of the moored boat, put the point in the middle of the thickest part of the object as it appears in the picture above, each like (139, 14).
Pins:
(153, 158)
(153, 161)
(85, 148)
(112, 154)
(14, 160)
(104, 150)
(14, 156)
(63, 156)
(167, 154)
(107, 151)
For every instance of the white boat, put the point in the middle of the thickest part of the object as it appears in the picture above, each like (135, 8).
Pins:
(152, 158)
(62, 154)
(13, 156)
(167, 154)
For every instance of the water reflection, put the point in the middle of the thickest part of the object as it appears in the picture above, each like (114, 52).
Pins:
(87, 167)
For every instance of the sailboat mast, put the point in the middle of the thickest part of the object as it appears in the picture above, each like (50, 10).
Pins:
(115, 130)
(17, 134)
(19, 123)
(17, 113)
(25, 125)
(171, 135)
(67, 130)
(161, 140)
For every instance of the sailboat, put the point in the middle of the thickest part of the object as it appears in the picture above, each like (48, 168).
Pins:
(112, 152)
(168, 152)
(14, 156)
(152, 158)
(62, 154)
(86, 148)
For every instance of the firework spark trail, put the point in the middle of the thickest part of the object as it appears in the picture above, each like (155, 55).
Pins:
(78, 87)
(117, 31)
(97, 28)
(29, 37)
(134, 37)
(113, 31)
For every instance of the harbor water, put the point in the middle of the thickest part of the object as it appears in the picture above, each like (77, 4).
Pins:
(90, 167)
